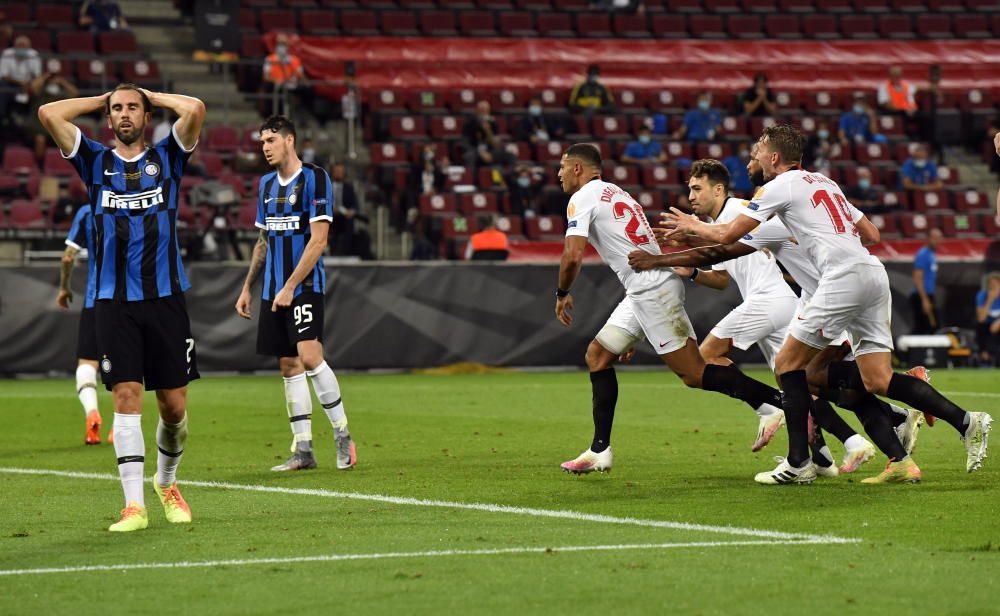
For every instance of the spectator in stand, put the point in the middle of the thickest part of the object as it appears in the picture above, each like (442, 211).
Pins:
(758, 99)
(988, 320)
(739, 178)
(490, 244)
(426, 178)
(590, 95)
(858, 124)
(896, 95)
(526, 190)
(820, 148)
(45, 88)
(102, 16)
(927, 117)
(536, 127)
(345, 210)
(918, 172)
(284, 73)
(863, 195)
(702, 123)
(925, 268)
(481, 139)
(644, 150)
(20, 65)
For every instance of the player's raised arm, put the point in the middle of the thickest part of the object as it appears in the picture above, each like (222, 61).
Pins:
(191, 112)
(640, 260)
(57, 118)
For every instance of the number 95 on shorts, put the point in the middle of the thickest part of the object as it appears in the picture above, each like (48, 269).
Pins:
(278, 332)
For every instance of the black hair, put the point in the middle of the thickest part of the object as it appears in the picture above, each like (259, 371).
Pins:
(279, 124)
(715, 171)
(587, 152)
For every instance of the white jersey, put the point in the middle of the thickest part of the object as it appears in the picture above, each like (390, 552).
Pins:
(757, 275)
(776, 238)
(615, 225)
(816, 211)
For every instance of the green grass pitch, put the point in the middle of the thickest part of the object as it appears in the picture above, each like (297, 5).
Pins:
(324, 545)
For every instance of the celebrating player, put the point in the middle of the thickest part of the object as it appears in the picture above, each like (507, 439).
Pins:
(294, 210)
(81, 235)
(852, 295)
(611, 220)
(143, 331)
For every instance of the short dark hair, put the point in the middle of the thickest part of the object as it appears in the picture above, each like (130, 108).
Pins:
(279, 124)
(787, 141)
(146, 105)
(587, 152)
(715, 171)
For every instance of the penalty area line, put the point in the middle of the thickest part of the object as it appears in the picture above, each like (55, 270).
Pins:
(486, 507)
(401, 555)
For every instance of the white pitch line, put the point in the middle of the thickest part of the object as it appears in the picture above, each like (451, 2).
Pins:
(488, 507)
(384, 555)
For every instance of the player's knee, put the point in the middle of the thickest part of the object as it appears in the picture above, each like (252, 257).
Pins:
(290, 366)
(691, 378)
(597, 357)
(877, 383)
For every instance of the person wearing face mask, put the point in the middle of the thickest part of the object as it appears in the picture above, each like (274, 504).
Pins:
(701, 123)
(919, 172)
(537, 127)
(858, 124)
(20, 65)
(284, 74)
(758, 99)
(525, 189)
(644, 150)
(426, 178)
(820, 147)
(590, 95)
(863, 196)
(739, 177)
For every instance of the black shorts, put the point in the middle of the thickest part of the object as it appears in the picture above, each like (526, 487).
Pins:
(86, 338)
(147, 341)
(278, 332)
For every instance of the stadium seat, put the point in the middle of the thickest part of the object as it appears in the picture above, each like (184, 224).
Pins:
(734, 127)
(975, 99)
(446, 127)
(629, 26)
(745, 26)
(621, 174)
(632, 101)
(438, 204)
(276, 20)
(457, 176)
(56, 165)
(570, 5)
(651, 202)
(914, 225)
(765, 7)
(386, 100)
(822, 102)
(930, 201)
(968, 200)
(472, 204)
(458, 227)
(551, 228)
(318, 22)
(476, 23)
(796, 6)
(438, 23)
(213, 164)
(982, 6)
(399, 23)
(508, 99)
(420, 5)
(869, 153)
(407, 128)
(55, 15)
(19, 159)
(520, 150)
(550, 152)
(142, 72)
(934, 26)
(495, 5)
(18, 14)
(610, 127)
(461, 101)
(990, 224)
(959, 226)
(41, 40)
(948, 175)
(858, 26)
(511, 225)
(248, 20)
(668, 26)
(555, 98)
(72, 42)
(909, 6)
(354, 23)
(721, 6)
(387, 153)
(684, 6)
(659, 176)
(593, 25)
(871, 6)
(707, 26)
(555, 25)
(120, 42)
(222, 138)
(834, 6)
(820, 26)
(717, 151)
(895, 27)
(782, 27)
(971, 26)
(679, 149)
(516, 23)
(885, 223)
(26, 214)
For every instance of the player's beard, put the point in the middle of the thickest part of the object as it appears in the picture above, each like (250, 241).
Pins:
(132, 137)
(757, 179)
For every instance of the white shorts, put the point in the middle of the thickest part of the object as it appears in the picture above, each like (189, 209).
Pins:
(656, 314)
(839, 340)
(856, 301)
(760, 321)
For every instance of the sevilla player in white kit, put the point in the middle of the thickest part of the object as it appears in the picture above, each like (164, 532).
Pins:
(853, 295)
(653, 308)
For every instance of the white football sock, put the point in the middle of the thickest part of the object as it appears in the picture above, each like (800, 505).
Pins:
(328, 391)
(766, 410)
(855, 442)
(299, 404)
(170, 439)
(86, 387)
(131, 452)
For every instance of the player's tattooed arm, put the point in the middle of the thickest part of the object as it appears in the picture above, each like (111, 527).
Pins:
(257, 259)
(695, 257)
(65, 296)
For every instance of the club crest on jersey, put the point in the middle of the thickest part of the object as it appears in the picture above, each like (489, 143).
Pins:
(133, 201)
(151, 169)
(292, 198)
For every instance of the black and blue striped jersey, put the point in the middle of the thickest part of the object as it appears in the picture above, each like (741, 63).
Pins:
(284, 212)
(134, 207)
(81, 236)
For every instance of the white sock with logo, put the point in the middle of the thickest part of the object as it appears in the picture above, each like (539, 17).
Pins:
(170, 439)
(299, 404)
(86, 387)
(328, 391)
(131, 452)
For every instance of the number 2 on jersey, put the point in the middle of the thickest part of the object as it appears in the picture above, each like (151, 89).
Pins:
(836, 207)
(620, 208)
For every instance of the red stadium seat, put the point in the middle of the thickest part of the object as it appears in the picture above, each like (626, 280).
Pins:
(463, 100)
(457, 176)
(858, 26)
(659, 175)
(495, 5)
(520, 150)
(570, 5)
(407, 127)
(213, 164)
(895, 27)
(717, 151)
(734, 127)
(934, 26)
(550, 152)
(822, 101)
(975, 100)
(721, 6)
(354, 23)
(796, 6)
(593, 25)
(834, 6)
(610, 126)
(554, 98)
(221, 138)
(820, 26)
(508, 99)
(886, 224)
(982, 6)
(75, 43)
(629, 26)
(386, 100)
(745, 26)
(678, 149)
(871, 6)
(684, 6)
(868, 153)
(399, 23)
(19, 14)
(438, 23)
(446, 127)
(55, 15)
(909, 6)
(968, 200)
(915, 225)
(631, 101)
(248, 20)
(765, 7)
(117, 43)
(971, 26)
(511, 225)
(960, 226)
(621, 174)
(534, 5)
(931, 201)
(142, 72)
(437, 204)
(458, 227)
(782, 26)
(56, 165)
(276, 20)
(555, 25)
(545, 227)
(517, 23)
(472, 204)
(668, 26)
(387, 153)
(25, 214)
(19, 159)
(948, 175)
(707, 26)
(990, 224)
(41, 40)
(476, 23)
(318, 22)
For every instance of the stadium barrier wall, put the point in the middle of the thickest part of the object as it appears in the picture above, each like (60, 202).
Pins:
(400, 315)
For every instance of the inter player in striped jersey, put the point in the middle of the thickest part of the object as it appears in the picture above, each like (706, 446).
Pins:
(852, 295)
(610, 219)
(294, 210)
(143, 331)
(80, 237)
